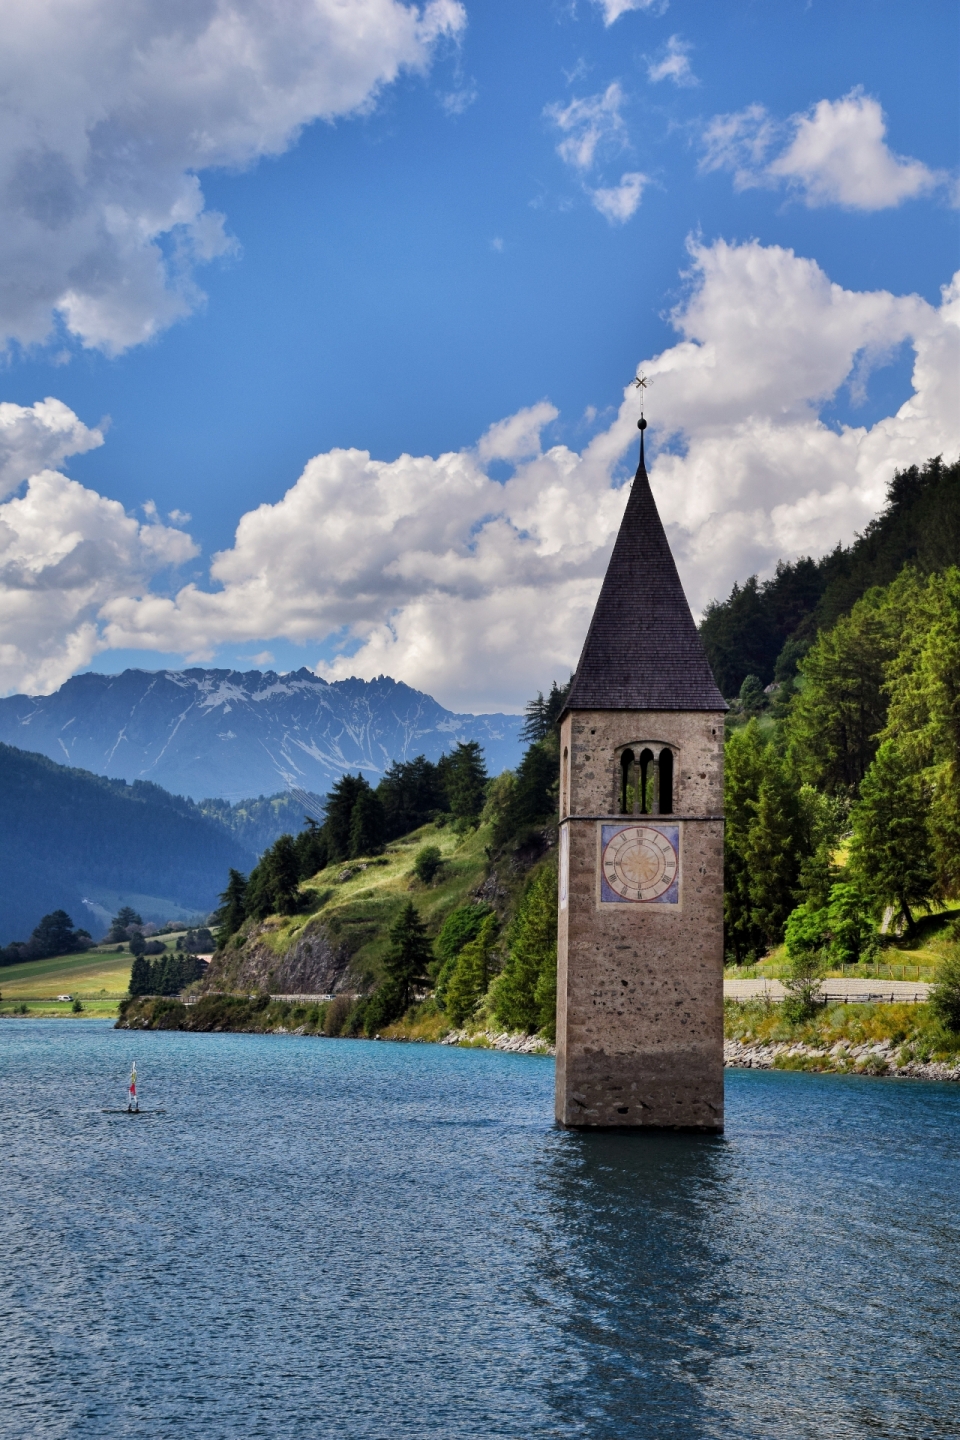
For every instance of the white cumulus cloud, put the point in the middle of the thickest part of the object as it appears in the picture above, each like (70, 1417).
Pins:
(619, 202)
(592, 129)
(39, 437)
(481, 592)
(110, 111)
(673, 64)
(64, 552)
(589, 125)
(834, 154)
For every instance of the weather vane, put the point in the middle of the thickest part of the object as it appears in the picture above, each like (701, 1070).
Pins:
(641, 381)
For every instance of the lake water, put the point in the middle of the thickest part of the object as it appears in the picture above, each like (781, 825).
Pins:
(339, 1238)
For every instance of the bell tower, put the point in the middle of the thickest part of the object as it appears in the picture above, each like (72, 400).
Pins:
(640, 944)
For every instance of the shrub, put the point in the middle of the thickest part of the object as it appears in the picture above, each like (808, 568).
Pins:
(803, 985)
(945, 995)
(77, 1007)
(336, 1013)
(428, 861)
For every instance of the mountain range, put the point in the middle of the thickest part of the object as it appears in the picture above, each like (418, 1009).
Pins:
(233, 734)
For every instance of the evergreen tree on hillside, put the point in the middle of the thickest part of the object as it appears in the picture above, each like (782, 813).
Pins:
(367, 825)
(313, 849)
(233, 908)
(411, 793)
(743, 776)
(772, 852)
(461, 925)
(119, 925)
(890, 853)
(471, 973)
(532, 798)
(140, 976)
(284, 865)
(524, 995)
(339, 814)
(55, 935)
(406, 962)
(542, 714)
(923, 682)
(836, 717)
(465, 779)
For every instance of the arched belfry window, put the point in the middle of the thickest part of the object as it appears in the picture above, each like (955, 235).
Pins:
(645, 786)
(646, 781)
(665, 781)
(626, 782)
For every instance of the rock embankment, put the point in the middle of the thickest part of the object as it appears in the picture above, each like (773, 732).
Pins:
(880, 1058)
(499, 1040)
(314, 964)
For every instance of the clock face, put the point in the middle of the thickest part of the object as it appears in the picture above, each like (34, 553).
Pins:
(640, 862)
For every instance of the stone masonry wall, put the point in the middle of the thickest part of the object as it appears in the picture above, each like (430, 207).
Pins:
(640, 986)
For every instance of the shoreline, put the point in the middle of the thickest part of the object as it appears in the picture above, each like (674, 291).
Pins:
(874, 1056)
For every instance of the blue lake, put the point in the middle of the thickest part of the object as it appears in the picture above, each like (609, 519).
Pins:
(339, 1238)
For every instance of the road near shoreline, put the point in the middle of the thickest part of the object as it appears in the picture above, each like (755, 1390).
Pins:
(852, 990)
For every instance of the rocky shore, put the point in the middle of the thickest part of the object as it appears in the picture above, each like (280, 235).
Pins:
(878, 1059)
(882, 1058)
(496, 1040)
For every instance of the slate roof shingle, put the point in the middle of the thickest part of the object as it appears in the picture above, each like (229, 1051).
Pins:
(642, 651)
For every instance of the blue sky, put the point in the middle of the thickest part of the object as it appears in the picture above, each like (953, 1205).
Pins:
(427, 231)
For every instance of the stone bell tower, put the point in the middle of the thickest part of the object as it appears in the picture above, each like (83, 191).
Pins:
(640, 946)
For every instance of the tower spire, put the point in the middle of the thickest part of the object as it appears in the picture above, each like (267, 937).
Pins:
(643, 650)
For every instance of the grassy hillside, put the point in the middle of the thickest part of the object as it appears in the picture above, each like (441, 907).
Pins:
(349, 908)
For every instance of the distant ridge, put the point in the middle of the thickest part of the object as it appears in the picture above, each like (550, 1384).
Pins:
(74, 841)
(232, 734)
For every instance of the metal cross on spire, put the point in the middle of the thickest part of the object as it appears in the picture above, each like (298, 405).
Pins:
(641, 381)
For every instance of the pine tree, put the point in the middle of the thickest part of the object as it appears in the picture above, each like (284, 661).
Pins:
(535, 725)
(924, 716)
(233, 908)
(313, 849)
(523, 992)
(367, 825)
(120, 924)
(405, 964)
(890, 853)
(465, 780)
(284, 867)
(834, 721)
(533, 796)
(55, 935)
(471, 974)
(772, 852)
(743, 774)
(140, 976)
(339, 814)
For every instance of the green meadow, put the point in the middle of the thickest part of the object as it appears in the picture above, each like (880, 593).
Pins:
(99, 979)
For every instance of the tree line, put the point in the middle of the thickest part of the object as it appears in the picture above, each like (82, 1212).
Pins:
(764, 628)
(843, 787)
